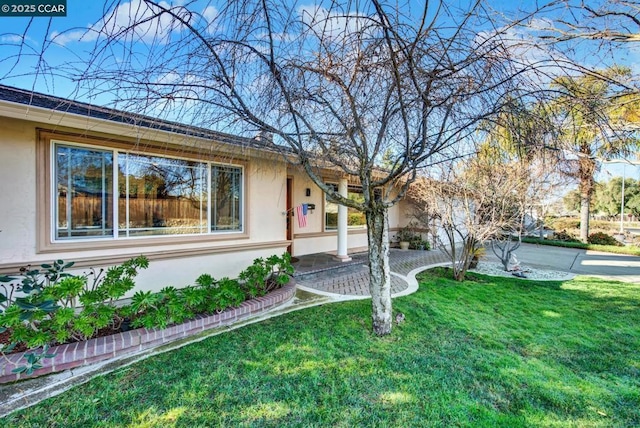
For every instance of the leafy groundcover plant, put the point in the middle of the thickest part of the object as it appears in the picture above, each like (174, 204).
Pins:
(48, 306)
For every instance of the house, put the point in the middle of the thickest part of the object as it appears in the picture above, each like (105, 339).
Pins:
(97, 186)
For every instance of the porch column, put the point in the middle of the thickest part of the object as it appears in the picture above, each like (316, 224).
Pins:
(342, 223)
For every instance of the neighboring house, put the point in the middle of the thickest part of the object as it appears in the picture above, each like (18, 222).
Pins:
(97, 186)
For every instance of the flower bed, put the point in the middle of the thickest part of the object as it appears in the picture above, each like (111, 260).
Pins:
(77, 354)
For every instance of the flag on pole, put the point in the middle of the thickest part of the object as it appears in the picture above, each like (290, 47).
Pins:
(301, 210)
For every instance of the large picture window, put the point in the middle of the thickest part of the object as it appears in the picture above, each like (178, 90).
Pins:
(154, 195)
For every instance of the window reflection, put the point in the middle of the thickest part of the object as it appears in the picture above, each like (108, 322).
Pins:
(160, 196)
(226, 198)
(355, 218)
(84, 192)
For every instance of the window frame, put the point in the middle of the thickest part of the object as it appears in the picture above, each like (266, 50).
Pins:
(56, 234)
(46, 193)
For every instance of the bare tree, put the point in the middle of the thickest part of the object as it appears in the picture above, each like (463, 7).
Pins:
(339, 85)
(588, 32)
(608, 20)
(509, 236)
(473, 201)
(519, 147)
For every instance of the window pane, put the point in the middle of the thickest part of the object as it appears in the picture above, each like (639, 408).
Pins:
(226, 198)
(161, 196)
(84, 186)
(355, 218)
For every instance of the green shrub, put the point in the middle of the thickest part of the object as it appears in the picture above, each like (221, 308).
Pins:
(564, 223)
(332, 219)
(228, 293)
(47, 313)
(143, 309)
(417, 243)
(565, 236)
(601, 238)
(266, 275)
(356, 219)
(30, 317)
(405, 234)
(208, 296)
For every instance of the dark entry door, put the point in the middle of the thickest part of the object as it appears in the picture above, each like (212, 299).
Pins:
(289, 216)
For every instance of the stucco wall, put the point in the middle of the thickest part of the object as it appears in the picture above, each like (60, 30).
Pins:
(17, 190)
(328, 243)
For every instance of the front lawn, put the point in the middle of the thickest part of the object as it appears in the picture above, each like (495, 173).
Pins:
(486, 352)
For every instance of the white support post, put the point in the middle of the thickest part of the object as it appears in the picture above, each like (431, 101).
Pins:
(624, 176)
(342, 223)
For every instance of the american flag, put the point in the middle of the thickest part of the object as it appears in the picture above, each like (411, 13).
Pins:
(301, 210)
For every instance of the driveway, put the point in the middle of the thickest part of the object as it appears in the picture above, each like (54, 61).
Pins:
(619, 267)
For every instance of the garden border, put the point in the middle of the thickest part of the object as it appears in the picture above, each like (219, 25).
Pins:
(72, 355)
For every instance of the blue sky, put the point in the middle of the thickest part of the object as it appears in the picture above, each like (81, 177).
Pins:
(81, 14)
(618, 169)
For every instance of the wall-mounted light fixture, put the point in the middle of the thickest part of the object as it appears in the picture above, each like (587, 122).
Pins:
(307, 192)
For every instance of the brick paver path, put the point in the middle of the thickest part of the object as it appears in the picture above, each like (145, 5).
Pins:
(353, 279)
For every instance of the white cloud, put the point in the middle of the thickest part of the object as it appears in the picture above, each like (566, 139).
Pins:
(87, 35)
(12, 38)
(137, 18)
(331, 25)
(210, 14)
(540, 24)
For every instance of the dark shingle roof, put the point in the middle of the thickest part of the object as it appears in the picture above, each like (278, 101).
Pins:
(35, 99)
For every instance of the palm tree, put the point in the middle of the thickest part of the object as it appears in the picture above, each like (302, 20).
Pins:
(597, 121)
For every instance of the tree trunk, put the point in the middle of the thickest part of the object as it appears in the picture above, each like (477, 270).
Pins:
(586, 191)
(585, 200)
(586, 169)
(380, 277)
(461, 266)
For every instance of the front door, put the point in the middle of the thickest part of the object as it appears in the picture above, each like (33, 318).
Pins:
(289, 216)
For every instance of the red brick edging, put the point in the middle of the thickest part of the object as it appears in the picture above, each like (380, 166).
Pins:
(77, 354)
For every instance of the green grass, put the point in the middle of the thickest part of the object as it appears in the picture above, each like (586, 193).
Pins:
(486, 352)
(630, 250)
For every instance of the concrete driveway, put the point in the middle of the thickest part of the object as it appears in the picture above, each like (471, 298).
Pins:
(618, 267)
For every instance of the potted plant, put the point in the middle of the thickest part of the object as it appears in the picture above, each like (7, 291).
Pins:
(404, 237)
(417, 243)
(477, 253)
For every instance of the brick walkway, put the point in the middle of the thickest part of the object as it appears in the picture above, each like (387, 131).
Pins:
(320, 272)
